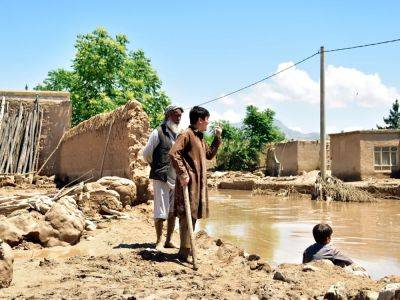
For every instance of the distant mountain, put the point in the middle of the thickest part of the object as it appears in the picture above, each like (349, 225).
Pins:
(294, 134)
(290, 134)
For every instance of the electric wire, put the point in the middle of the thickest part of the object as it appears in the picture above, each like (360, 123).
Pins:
(293, 65)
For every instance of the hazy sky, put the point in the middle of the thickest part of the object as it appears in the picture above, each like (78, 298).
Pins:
(204, 49)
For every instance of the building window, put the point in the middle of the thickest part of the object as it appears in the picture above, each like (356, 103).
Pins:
(385, 158)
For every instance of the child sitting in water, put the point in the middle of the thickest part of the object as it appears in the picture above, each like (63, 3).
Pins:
(322, 250)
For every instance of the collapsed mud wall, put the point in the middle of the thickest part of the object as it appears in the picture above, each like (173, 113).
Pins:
(118, 137)
(56, 108)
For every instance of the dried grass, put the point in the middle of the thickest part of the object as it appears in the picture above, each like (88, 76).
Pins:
(334, 189)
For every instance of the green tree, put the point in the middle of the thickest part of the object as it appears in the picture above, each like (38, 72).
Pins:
(393, 120)
(241, 147)
(106, 75)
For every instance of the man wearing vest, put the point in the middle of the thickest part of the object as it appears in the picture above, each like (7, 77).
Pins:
(163, 174)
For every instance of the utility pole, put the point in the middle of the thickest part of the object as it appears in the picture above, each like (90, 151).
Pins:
(322, 116)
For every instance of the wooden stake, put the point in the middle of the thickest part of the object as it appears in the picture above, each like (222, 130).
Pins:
(190, 225)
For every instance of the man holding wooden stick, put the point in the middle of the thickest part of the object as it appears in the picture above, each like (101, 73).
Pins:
(162, 173)
(188, 156)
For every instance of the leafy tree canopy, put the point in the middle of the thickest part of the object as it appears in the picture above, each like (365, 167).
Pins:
(106, 75)
(393, 120)
(242, 146)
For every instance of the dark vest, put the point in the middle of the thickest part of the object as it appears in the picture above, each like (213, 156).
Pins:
(161, 162)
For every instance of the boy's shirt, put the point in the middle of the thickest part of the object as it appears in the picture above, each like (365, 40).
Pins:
(320, 251)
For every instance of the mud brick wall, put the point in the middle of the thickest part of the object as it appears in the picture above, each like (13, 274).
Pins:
(352, 153)
(83, 146)
(57, 110)
(297, 156)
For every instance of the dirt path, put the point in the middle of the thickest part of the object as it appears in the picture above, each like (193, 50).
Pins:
(118, 261)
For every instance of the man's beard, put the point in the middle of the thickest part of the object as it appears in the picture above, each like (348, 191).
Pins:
(173, 126)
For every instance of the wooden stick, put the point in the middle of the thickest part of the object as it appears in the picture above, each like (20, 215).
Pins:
(190, 224)
(33, 135)
(37, 150)
(10, 162)
(8, 144)
(21, 163)
(3, 105)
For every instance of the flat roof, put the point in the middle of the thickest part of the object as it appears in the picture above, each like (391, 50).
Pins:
(15, 93)
(373, 131)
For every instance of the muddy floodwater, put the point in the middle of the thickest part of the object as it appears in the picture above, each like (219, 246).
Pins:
(279, 228)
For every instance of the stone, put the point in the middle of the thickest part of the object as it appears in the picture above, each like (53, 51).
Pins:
(265, 266)
(309, 268)
(356, 270)
(253, 257)
(253, 265)
(90, 226)
(219, 242)
(6, 265)
(7, 180)
(390, 291)
(94, 199)
(367, 295)
(65, 217)
(227, 252)
(124, 187)
(41, 203)
(27, 226)
(336, 291)
(282, 276)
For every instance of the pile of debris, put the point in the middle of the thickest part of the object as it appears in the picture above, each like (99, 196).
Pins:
(333, 189)
(60, 219)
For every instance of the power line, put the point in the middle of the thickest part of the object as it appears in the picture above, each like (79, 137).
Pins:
(259, 81)
(295, 64)
(362, 46)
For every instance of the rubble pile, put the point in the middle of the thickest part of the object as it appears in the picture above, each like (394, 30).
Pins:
(59, 219)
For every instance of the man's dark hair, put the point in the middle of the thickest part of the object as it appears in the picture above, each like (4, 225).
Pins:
(198, 112)
(322, 232)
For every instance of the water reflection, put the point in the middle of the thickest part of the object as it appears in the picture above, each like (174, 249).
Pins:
(280, 228)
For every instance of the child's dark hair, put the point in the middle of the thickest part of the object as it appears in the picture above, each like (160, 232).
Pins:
(198, 112)
(322, 232)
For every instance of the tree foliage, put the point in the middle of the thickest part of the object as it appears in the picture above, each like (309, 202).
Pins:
(106, 75)
(393, 120)
(242, 145)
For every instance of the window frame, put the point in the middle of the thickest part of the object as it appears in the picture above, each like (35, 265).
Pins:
(382, 150)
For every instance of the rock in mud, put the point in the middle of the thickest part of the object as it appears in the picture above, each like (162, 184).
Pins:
(68, 221)
(27, 226)
(227, 252)
(124, 187)
(90, 226)
(356, 270)
(367, 295)
(336, 292)
(94, 199)
(6, 265)
(41, 203)
(390, 291)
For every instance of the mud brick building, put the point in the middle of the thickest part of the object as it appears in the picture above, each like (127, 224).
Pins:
(297, 156)
(109, 144)
(357, 155)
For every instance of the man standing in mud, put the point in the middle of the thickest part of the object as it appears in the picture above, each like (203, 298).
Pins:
(163, 174)
(188, 156)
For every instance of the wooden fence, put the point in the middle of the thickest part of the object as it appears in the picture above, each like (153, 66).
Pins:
(20, 131)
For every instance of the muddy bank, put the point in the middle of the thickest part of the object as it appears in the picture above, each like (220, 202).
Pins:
(118, 261)
(304, 184)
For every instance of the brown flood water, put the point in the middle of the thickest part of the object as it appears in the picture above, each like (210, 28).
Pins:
(279, 229)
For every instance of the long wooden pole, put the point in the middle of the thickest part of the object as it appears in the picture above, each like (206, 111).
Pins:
(190, 224)
(322, 115)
